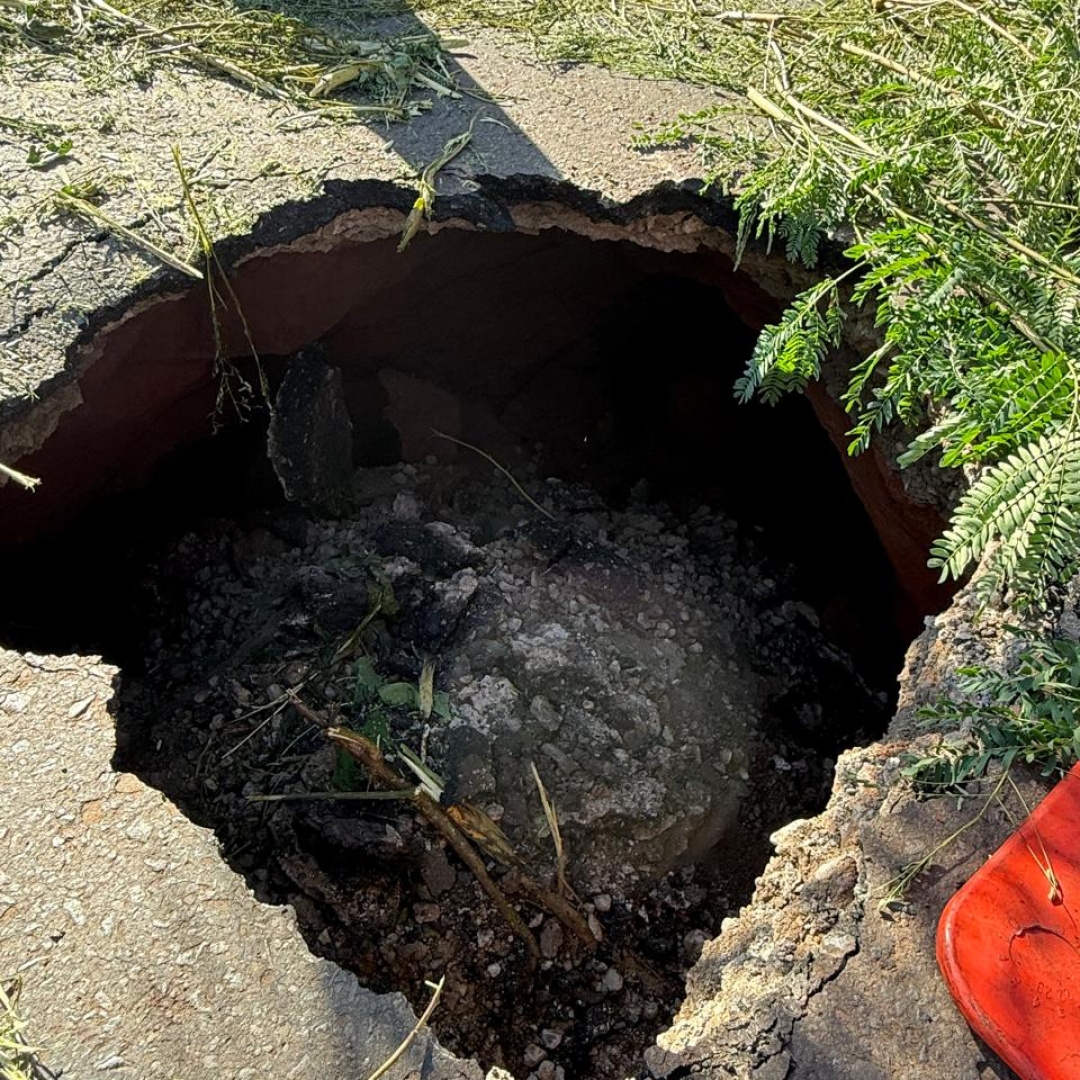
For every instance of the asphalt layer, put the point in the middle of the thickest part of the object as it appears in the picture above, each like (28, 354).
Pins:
(263, 170)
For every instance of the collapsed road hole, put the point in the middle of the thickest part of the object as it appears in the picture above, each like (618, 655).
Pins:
(705, 618)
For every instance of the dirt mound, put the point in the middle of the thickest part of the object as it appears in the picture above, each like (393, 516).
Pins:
(668, 692)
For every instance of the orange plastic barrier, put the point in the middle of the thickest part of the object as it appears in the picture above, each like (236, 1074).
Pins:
(1008, 942)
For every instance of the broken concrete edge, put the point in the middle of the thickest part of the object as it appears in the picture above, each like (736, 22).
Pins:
(814, 979)
(488, 209)
(499, 205)
(820, 976)
(138, 950)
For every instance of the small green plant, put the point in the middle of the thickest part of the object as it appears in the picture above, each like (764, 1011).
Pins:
(18, 1060)
(371, 689)
(1031, 714)
(374, 701)
(424, 206)
(347, 775)
(895, 892)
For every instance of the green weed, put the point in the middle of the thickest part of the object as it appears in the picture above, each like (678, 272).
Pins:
(274, 54)
(18, 1060)
(1029, 714)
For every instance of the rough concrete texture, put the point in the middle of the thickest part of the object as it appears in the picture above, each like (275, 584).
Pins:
(969, 633)
(816, 980)
(141, 953)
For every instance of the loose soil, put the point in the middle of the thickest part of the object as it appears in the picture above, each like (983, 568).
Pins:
(446, 561)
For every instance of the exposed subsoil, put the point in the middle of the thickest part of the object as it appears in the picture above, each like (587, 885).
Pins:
(682, 639)
(446, 561)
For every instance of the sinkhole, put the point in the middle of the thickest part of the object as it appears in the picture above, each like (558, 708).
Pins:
(562, 555)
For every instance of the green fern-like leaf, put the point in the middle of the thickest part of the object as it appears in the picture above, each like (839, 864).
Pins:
(946, 138)
(1029, 504)
(788, 355)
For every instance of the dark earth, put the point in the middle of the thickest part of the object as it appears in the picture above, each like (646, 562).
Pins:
(446, 561)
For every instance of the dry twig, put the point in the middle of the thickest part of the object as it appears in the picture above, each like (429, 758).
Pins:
(502, 468)
(366, 753)
(388, 1064)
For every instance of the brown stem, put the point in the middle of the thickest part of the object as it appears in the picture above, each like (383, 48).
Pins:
(555, 905)
(367, 754)
(306, 711)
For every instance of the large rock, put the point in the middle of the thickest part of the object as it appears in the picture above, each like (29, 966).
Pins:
(309, 440)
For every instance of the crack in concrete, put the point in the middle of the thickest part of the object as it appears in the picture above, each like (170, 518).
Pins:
(23, 325)
(56, 260)
(818, 989)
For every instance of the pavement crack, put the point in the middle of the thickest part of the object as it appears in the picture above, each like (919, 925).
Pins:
(51, 264)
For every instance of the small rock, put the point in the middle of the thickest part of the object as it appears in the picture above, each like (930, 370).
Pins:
(545, 713)
(80, 707)
(550, 1038)
(406, 506)
(427, 913)
(438, 874)
(602, 903)
(613, 980)
(692, 944)
(533, 1055)
(551, 939)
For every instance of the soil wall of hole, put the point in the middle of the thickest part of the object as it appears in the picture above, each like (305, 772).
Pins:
(601, 350)
(609, 357)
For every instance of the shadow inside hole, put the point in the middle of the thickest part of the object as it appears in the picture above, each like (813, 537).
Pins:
(590, 355)
(618, 360)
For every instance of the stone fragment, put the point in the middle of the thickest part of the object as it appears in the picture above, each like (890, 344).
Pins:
(551, 939)
(310, 436)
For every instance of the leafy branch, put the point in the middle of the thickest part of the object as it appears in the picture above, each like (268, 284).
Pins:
(1030, 713)
(935, 132)
(943, 138)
